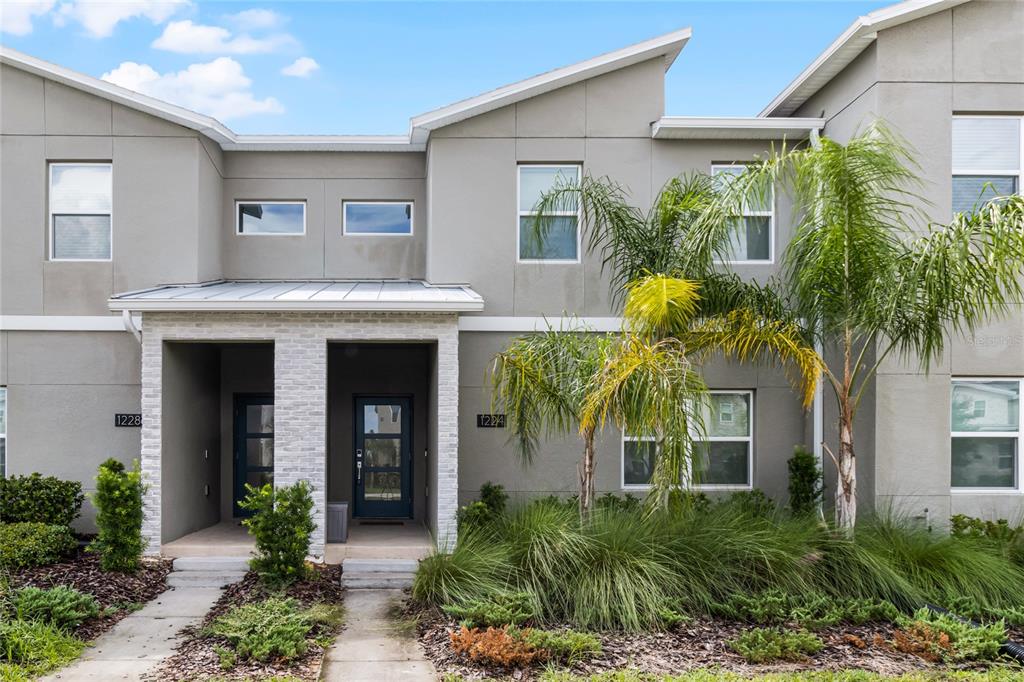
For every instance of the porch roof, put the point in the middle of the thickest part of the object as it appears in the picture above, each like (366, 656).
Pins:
(384, 295)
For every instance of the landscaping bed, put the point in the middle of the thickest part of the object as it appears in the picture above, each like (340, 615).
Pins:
(204, 654)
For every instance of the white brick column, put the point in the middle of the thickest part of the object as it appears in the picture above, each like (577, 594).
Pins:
(300, 420)
(152, 391)
(447, 484)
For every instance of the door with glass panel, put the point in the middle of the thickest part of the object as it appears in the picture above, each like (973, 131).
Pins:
(254, 444)
(382, 458)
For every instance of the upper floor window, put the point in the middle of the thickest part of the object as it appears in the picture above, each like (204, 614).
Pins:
(376, 217)
(986, 434)
(80, 211)
(3, 431)
(270, 217)
(753, 239)
(559, 241)
(987, 159)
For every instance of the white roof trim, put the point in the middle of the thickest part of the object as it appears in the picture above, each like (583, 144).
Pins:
(837, 56)
(302, 295)
(668, 46)
(733, 128)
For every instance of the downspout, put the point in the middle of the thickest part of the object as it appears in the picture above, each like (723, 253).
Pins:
(818, 408)
(129, 324)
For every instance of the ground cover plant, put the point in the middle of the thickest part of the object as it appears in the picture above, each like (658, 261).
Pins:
(63, 607)
(763, 645)
(29, 648)
(510, 647)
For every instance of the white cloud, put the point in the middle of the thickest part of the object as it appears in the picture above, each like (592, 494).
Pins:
(185, 37)
(303, 67)
(100, 17)
(16, 17)
(253, 19)
(219, 88)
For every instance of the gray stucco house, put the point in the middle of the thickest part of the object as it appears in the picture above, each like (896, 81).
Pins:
(237, 308)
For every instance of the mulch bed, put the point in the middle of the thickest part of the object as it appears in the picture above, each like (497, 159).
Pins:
(699, 644)
(117, 593)
(195, 658)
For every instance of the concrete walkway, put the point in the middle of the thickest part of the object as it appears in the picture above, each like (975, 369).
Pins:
(371, 649)
(141, 641)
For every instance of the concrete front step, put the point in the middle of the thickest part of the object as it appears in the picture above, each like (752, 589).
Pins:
(203, 578)
(386, 580)
(212, 563)
(379, 565)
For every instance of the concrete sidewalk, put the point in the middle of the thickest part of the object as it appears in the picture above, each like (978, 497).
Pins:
(141, 641)
(369, 649)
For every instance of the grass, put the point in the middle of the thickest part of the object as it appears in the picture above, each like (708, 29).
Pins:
(31, 648)
(623, 570)
(713, 675)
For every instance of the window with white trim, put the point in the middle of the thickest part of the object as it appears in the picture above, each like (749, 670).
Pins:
(376, 218)
(985, 448)
(724, 459)
(988, 159)
(81, 206)
(753, 239)
(270, 218)
(560, 242)
(3, 431)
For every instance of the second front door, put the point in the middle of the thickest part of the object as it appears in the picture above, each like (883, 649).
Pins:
(383, 458)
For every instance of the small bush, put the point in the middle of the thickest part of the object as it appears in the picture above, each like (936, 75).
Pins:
(40, 499)
(1000, 530)
(63, 607)
(484, 511)
(34, 544)
(282, 523)
(940, 637)
(810, 610)
(751, 502)
(35, 647)
(118, 502)
(500, 608)
(564, 646)
(495, 647)
(805, 482)
(762, 645)
(273, 628)
(494, 497)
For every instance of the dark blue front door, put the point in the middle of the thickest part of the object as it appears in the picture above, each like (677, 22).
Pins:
(254, 444)
(383, 458)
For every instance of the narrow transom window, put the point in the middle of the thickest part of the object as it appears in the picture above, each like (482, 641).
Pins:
(377, 217)
(753, 238)
(81, 204)
(282, 218)
(559, 240)
(986, 434)
(987, 159)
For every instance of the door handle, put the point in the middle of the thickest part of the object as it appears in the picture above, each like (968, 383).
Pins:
(359, 466)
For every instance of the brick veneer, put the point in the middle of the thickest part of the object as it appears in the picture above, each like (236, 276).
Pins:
(300, 395)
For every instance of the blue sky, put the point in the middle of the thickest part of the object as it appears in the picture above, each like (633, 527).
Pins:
(365, 68)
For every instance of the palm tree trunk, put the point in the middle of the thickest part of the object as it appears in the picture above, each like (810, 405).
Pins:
(586, 472)
(846, 491)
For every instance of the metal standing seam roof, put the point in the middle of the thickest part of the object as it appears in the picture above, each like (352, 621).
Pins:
(303, 295)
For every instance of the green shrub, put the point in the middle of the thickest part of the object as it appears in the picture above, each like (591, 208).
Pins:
(118, 502)
(494, 497)
(805, 482)
(496, 610)
(486, 510)
(273, 628)
(282, 523)
(809, 610)
(1000, 530)
(34, 647)
(34, 544)
(565, 646)
(40, 499)
(63, 607)
(751, 502)
(951, 639)
(762, 645)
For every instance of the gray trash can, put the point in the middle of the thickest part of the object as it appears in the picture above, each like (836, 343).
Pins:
(337, 522)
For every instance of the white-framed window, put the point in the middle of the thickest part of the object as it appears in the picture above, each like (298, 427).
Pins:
(985, 443)
(724, 458)
(753, 241)
(561, 242)
(270, 218)
(377, 218)
(988, 159)
(81, 211)
(3, 431)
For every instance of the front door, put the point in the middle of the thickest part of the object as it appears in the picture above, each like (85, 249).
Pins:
(254, 444)
(383, 458)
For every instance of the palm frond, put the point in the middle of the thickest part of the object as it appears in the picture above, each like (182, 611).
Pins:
(661, 306)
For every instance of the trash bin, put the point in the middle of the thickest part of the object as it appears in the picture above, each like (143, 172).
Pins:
(337, 522)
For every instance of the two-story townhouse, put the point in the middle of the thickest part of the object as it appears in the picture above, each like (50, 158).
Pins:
(236, 308)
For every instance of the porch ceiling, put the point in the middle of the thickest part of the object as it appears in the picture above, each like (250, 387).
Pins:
(304, 295)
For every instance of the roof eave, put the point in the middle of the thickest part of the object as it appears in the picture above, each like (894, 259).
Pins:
(733, 128)
(135, 305)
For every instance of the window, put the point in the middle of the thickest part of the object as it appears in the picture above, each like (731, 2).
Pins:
(560, 242)
(986, 442)
(80, 211)
(987, 161)
(723, 460)
(282, 218)
(376, 217)
(3, 431)
(753, 240)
